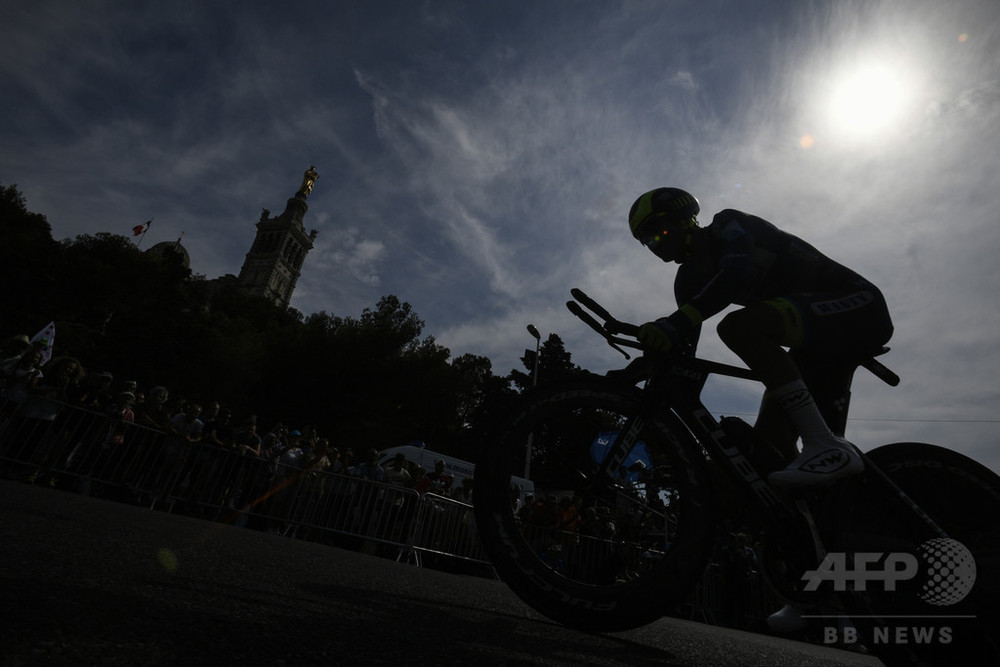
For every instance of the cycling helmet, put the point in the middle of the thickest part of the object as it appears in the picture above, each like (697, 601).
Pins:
(663, 220)
(670, 206)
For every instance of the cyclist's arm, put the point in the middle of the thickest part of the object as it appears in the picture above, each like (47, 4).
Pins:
(699, 300)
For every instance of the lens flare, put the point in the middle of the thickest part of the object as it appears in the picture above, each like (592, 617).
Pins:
(167, 559)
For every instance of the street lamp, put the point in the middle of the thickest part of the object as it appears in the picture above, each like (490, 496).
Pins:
(534, 383)
(538, 341)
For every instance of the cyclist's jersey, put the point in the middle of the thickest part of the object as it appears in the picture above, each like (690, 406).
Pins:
(752, 261)
(825, 305)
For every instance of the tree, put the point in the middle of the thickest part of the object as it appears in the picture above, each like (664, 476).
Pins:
(370, 381)
(554, 363)
(27, 255)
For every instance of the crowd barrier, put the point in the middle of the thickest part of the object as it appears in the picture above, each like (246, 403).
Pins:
(48, 442)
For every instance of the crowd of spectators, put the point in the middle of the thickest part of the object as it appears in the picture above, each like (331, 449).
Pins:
(35, 389)
(41, 397)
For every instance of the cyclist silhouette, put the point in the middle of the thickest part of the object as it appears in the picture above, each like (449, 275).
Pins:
(794, 297)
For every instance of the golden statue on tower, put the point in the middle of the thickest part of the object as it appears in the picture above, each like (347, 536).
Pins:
(308, 180)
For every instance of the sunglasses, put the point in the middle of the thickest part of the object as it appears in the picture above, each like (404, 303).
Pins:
(651, 239)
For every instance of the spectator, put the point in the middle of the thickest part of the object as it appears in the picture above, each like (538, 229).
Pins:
(421, 483)
(120, 413)
(95, 392)
(348, 459)
(273, 442)
(208, 456)
(527, 508)
(34, 430)
(250, 471)
(132, 387)
(291, 458)
(155, 412)
(319, 459)
(101, 457)
(567, 516)
(515, 499)
(397, 472)
(183, 431)
(370, 468)
(440, 481)
(336, 463)
(309, 441)
(11, 352)
(247, 441)
(288, 470)
(221, 433)
(23, 376)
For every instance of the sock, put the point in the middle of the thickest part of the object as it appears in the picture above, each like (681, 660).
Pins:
(795, 399)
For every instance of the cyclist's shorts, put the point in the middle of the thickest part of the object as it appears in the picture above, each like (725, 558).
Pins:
(845, 322)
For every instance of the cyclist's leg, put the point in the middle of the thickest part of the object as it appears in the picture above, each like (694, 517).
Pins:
(829, 379)
(829, 382)
(843, 326)
(775, 427)
(758, 335)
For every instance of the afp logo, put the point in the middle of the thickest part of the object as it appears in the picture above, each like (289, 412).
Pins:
(949, 571)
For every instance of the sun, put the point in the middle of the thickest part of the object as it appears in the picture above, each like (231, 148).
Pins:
(867, 100)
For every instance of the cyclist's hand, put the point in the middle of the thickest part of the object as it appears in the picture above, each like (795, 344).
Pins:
(660, 335)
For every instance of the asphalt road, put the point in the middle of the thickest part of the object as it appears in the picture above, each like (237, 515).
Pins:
(85, 581)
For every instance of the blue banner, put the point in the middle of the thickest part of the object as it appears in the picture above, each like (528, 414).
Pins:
(602, 443)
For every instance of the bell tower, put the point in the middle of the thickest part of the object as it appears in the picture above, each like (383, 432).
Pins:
(273, 265)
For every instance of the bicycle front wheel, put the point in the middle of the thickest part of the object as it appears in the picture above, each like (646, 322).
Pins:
(597, 554)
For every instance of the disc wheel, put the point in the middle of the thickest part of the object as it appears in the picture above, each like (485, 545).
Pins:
(597, 554)
(950, 607)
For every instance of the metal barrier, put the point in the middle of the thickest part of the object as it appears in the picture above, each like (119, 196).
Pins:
(48, 442)
(446, 527)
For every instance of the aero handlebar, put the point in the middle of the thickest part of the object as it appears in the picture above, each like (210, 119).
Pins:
(612, 326)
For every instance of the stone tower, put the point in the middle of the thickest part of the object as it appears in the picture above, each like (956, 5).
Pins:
(273, 265)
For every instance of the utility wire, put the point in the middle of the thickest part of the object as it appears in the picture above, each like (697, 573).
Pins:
(874, 419)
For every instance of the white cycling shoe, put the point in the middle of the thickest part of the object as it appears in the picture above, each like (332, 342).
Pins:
(787, 619)
(820, 463)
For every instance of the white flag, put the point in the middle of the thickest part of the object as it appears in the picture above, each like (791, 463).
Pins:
(48, 336)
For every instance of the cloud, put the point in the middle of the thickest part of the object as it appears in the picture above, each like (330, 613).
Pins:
(348, 251)
(478, 160)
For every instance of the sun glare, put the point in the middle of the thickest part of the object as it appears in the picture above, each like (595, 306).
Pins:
(866, 99)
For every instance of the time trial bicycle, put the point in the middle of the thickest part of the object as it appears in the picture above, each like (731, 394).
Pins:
(634, 477)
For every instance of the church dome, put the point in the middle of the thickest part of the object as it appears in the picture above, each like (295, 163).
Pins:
(172, 249)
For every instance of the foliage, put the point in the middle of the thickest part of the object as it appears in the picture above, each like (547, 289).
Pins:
(554, 363)
(372, 380)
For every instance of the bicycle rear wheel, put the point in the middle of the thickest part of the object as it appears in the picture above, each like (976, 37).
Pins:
(593, 554)
(950, 608)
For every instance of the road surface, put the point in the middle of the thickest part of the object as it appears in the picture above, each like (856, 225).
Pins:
(85, 581)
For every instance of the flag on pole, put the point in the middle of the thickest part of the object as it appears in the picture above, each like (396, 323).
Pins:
(47, 336)
(141, 229)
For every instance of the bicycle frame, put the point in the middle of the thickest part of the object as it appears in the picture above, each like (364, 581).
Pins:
(676, 386)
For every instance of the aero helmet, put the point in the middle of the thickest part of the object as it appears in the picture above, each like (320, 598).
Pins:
(663, 220)
(662, 206)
